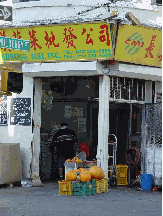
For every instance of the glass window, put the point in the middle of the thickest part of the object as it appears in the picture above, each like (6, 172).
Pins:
(159, 2)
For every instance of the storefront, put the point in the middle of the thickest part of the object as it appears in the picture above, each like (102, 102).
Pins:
(94, 95)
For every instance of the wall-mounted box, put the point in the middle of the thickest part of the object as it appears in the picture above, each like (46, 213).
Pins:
(10, 163)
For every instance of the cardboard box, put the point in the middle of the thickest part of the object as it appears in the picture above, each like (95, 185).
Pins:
(75, 165)
(91, 163)
(10, 163)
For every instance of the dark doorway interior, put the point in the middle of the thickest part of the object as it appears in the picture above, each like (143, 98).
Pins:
(122, 134)
(93, 147)
(119, 126)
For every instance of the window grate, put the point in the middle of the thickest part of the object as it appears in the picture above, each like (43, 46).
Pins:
(127, 89)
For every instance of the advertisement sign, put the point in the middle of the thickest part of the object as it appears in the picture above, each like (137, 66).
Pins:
(72, 42)
(139, 45)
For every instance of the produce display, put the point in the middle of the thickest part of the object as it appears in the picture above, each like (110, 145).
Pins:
(71, 175)
(95, 172)
(84, 181)
(102, 174)
(75, 160)
(81, 170)
(85, 176)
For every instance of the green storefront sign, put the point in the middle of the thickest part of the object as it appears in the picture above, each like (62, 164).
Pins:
(14, 43)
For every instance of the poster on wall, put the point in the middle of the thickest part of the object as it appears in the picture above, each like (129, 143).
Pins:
(73, 111)
(3, 110)
(81, 125)
(67, 111)
(20, 111)
(80, 112)
(46, 100)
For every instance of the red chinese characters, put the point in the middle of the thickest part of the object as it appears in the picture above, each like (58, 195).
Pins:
(88, 39)
(69, 37)
(50, 40)
(17, 34)
(33, 39)
(104, 34)
(4, 34)
(150, 48)
(160, 58)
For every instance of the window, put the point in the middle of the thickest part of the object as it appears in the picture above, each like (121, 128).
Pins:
(27, 0)
(159, 2)
(127, 89)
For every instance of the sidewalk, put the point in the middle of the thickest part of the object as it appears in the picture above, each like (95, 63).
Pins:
(121, 201)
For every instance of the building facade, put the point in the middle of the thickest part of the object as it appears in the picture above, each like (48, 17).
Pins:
(94, 97)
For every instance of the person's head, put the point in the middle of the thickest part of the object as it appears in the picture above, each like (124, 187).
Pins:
(63, 124)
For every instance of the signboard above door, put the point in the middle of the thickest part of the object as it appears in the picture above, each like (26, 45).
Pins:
(139, 45)
(69, 42)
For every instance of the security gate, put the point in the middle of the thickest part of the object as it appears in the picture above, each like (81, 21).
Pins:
(152, 141)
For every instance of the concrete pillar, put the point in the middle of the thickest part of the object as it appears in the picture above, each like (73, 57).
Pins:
(37, 124)
(100, 123)
(106, 80)
(103, 123)
(148, 92)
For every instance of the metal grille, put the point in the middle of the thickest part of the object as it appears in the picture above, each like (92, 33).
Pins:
(158, 97)
(154, 124)
(127, 89)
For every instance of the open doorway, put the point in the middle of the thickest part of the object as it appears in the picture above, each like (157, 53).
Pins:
(119, 115)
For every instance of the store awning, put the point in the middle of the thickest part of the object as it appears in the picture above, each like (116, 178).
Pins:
(60, 69)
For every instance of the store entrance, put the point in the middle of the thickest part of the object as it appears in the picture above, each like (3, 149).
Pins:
(71, 107)
(119, 115)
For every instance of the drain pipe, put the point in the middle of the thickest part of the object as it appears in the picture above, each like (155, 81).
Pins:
(130, 133)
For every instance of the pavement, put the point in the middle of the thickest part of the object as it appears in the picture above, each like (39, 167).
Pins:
(121, 201)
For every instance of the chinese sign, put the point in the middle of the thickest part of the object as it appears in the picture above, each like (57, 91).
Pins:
(16, 44)
(139, 45)
(85, 41)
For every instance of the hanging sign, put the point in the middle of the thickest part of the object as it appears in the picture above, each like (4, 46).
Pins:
(139, 45)
(72, 42)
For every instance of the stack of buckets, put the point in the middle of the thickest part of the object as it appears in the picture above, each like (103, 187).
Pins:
(146, 181)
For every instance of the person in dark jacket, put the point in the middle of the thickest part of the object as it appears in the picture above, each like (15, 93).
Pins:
(66, 146)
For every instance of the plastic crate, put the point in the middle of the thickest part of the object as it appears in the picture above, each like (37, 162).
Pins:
(65, 187)
(83, 188)
(122, 181)
(121, 171)
(121, 174)
(102, 185)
